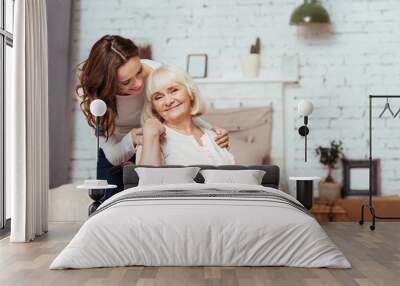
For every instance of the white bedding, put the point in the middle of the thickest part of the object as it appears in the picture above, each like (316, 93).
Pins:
(183, 231)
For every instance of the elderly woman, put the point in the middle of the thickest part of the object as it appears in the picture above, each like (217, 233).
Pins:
(170, 135)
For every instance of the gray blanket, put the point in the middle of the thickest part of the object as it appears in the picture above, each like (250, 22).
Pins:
(206, 193)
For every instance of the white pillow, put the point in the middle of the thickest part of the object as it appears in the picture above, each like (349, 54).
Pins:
(164, 176)
(249, 177)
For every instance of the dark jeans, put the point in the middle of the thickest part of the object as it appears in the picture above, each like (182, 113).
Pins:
(111, 173)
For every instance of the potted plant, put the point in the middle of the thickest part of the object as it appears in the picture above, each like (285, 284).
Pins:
(329, 190)
(250, 63)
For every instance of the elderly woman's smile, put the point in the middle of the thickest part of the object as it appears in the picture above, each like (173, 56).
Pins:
(169, 108)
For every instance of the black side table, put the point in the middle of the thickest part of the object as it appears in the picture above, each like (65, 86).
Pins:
(96, 192)
(304, 190)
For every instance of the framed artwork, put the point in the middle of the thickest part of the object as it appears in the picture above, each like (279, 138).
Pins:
(144, 46)
(196, 65)
(356, 177)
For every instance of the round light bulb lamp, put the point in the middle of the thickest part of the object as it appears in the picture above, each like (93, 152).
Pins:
(310, 12)
(98, 107)
(305, 107)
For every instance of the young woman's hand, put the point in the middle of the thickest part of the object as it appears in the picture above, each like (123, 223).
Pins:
(222, 138)
(153, 128)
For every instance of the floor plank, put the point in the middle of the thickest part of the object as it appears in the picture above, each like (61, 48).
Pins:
(375, 257)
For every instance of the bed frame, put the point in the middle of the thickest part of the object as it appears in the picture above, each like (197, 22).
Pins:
(270, 179)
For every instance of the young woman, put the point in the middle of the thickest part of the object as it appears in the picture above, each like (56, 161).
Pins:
(171, 135)
(114, 73)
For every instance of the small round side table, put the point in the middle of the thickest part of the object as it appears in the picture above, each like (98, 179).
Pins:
(96, 192)
(304, 190)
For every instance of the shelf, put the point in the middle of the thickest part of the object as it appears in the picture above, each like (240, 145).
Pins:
(244, 80)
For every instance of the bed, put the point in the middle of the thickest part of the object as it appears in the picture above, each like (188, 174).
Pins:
(197, 224)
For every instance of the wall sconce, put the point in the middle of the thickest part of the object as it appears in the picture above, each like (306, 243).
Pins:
(96, 188)
(305, 108)
(310, 12)
(98, 108)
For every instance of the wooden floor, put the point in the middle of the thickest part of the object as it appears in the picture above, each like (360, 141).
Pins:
(375, 257)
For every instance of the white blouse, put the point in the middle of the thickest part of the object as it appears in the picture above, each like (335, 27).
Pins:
(181, 149)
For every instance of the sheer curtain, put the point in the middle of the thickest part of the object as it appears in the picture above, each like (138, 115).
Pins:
(28, 123)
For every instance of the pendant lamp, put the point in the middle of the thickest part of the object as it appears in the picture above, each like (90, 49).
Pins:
(310, 12)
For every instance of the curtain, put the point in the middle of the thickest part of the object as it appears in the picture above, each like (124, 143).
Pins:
(28, 123)
(61, 102)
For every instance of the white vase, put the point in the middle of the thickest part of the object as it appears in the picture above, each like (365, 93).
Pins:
(250, 65)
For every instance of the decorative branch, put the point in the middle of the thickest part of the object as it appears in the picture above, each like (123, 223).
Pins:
(255, 49)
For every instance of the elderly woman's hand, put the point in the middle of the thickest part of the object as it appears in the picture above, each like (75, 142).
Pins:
(153, 128)
(222, 138)
(137, 136)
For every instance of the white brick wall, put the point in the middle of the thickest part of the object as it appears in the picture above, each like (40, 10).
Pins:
(339, 65)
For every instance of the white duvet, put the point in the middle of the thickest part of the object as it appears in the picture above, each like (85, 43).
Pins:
(185, 231)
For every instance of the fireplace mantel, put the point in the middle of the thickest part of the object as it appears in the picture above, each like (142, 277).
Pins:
(241, 80)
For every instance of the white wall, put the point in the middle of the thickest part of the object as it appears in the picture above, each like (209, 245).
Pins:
(339, 65)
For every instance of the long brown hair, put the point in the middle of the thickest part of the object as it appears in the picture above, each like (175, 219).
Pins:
(99, 80)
